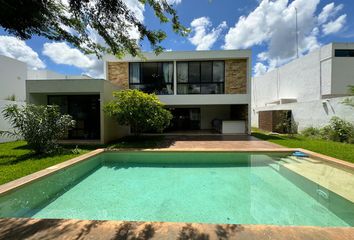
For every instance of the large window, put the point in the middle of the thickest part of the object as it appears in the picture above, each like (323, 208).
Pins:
(152, 77)
(206, 77)
(344, 53)
(85, 110)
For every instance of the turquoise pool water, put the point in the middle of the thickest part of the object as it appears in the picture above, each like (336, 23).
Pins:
(240, 188)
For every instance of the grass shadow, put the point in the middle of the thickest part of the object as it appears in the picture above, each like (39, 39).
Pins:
(228, 231)
(129, 231)
(266, 136)
(142, 142)
(190, 233)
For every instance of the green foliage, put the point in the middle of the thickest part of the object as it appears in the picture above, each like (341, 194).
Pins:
(349, 101)
(338, 130)
(286, 123)
(11, 97)
(78, 22)
(142, 111)
(351, 89)
(311, 132)
(40, 126)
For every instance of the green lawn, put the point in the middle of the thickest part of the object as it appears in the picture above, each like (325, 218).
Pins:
(338, 150)
(16, 160)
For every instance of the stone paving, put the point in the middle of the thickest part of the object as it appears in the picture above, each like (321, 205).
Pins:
(219, 142)
(83, 229)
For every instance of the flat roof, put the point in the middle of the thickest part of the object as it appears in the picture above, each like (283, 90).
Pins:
(184, 55)
(67, 85)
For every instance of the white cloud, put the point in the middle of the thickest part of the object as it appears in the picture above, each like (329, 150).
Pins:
(329, 11)
(272, 24)
(334, 26)
(174, 2)
(203, 36)
(18, 49)
(137, 8)
(259, 69)
(61, 53)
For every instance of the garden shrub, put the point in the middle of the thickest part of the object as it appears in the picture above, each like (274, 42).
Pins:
(142, 111)
(41, 126)
(311, 132)
(338, 130)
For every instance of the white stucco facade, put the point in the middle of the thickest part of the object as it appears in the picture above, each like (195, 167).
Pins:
(12, 78)
(311, 86)
(48, 75)
(13, 74)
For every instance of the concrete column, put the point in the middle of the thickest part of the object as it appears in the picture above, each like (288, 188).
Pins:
(174, 78)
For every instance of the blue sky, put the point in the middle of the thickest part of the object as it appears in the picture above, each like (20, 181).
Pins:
(266, 27)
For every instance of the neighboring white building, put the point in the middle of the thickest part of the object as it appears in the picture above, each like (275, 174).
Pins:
(47, 74)
(13, 74)
(312, 87)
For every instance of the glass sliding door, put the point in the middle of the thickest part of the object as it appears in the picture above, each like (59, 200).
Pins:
(185, 119)
(85, 110)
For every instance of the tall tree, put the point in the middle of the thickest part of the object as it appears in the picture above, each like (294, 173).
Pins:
(75, 20)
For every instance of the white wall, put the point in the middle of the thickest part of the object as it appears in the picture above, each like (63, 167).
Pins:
(47, 74)
(110, 130)
(205, 99)
(343, 74)
(312, 113)
(4, 124)
(301, 79)
(13, 74)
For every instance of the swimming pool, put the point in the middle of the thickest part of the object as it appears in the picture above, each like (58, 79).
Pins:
(204, 187)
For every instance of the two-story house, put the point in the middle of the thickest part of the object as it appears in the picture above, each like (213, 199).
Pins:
(206, 91)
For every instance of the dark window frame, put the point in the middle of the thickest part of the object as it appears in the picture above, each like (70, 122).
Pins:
(344, 52)
(201, 83)
(141, 76)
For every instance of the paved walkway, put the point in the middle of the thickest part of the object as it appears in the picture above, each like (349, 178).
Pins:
(218, 142)
(79, 229)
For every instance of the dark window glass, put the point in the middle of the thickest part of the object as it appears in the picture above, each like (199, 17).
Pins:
(152, 77)
(194, 72)
(212, 88)
(204, 77)
(206, 70)
(134, 73)
(344, 53)
(149, 72)
(188, 88)
(218, 71)
(85, 110)
(182, 72)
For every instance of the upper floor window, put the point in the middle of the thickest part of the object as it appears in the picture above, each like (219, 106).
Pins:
(344, 53)
(151, 77)
(203, 77)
